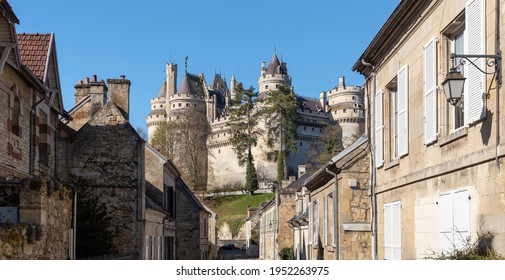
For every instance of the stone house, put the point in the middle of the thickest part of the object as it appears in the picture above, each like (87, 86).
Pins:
(35, 208)
(161, 204)
(192, 220)
(269, 226)
(272, 218)
(437, 175)
(338, 209)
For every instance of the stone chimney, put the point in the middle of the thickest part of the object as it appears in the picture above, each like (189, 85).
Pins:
(81, 90)
(98, 92)
(251, 210)
(119, 93)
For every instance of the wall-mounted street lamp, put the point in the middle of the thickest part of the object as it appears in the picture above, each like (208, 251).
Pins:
(454, 81)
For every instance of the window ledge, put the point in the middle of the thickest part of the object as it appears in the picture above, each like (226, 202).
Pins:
(391, 164)
(460, 133)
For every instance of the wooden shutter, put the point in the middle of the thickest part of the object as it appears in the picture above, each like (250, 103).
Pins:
(147, 243)
(311, 219)
(461, 217)
(445, 222)
(396, 230)
(379, 128)
(430, 96)
(475, 83)
(316, 222)
(325, 222)
(388, 246)
(403, 101)
(335, 224)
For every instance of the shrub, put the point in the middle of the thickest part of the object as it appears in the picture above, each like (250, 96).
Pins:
(480, 249)
(287, 254)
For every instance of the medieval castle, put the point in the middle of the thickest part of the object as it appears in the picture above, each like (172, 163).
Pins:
(343, 105)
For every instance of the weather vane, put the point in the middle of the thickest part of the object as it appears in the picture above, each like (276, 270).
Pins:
(186, 64)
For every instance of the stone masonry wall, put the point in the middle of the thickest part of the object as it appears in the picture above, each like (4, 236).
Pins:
(42, 231)
(188, 228)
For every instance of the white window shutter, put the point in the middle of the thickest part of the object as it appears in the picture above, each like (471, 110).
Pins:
(475, 84)
(388, 246)
(430, 96)
(396, 230)
(445, 222)
(403, 103)
(311, 219)
(379, 128)
(325, 222)
(147, 243)
(461, 217)
(316, 219)
(335, 225)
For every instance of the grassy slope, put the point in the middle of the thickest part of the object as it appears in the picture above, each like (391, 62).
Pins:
(233, 207)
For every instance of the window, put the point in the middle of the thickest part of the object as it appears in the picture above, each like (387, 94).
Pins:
(393, 108)
(454, 219)
(169, 200)
(392, 231)
(458, 47)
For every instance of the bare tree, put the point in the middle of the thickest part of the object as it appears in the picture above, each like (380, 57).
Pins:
(183, 139)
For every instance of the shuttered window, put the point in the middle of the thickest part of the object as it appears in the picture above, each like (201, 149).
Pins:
(454, 219)
(403, 101)
(392, 231)
(316, 222)
(379, 129)
(430, 96)
(474, 44)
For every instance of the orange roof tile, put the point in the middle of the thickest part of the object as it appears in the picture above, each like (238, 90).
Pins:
(33, 50)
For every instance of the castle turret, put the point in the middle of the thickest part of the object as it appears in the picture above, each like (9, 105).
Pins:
(275, 75)
(346, 107)
(158, 111)
(233, 84)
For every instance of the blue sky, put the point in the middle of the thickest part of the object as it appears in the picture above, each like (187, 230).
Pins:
(320, 40)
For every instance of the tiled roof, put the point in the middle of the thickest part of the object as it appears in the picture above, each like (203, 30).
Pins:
(309, 103)
(191, 84)
(34, 50)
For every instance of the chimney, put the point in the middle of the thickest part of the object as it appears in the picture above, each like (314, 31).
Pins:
(98, 91)
(341, 83)
(81, 90)
(119, 94)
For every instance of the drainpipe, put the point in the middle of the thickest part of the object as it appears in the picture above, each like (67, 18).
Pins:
(335, 224)
(498, 82)
(74, 222)
(373, 170)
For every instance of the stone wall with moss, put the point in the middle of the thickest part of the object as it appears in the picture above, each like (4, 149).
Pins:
(45, 215)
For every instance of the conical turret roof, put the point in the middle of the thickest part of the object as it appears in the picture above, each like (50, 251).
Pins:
(185, 87)
(274, 65)
(163, 90)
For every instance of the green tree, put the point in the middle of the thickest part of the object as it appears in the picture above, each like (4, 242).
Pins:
(245, 132)
(281, 124)
(95, 231)
(328, 145)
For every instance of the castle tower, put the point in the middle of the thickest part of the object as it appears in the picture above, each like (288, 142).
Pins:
(233, 84)
(346, 107)
(171, 82)
(273, 76)
(158, 111)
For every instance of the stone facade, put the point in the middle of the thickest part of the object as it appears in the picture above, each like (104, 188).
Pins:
(339, 212)
(343, 104)
(192, 225)
(39, 205)
(44, 221)
(444, 179)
